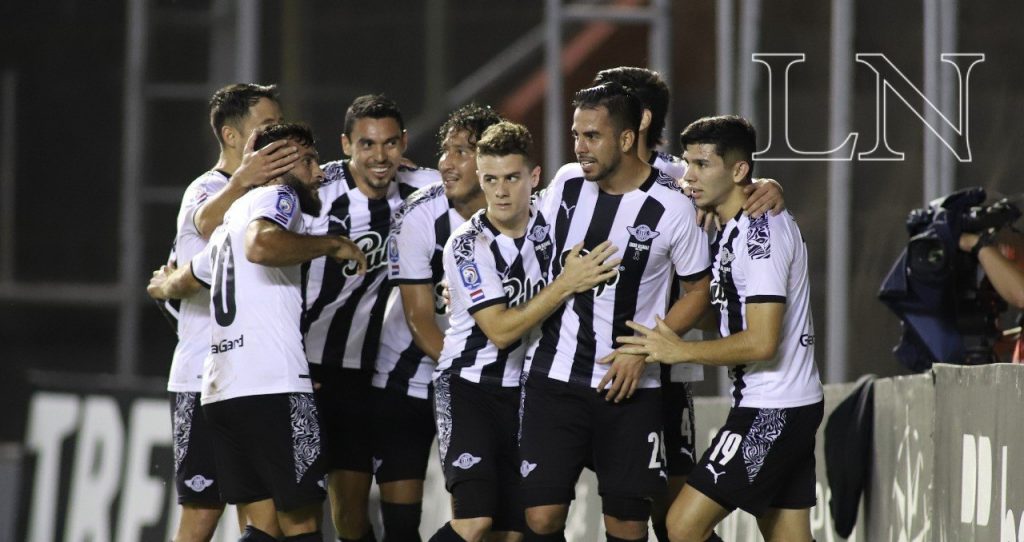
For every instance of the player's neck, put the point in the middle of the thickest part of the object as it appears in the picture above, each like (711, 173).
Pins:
(228, 162)
(514, 228)
(642, 150)
(469, 207)
(732, 204)
(630, 175)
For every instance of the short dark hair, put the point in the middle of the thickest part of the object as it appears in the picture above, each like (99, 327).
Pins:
(297, 132)
(231, 104)
(505, 138)
(472, 118)
(624, 108)
(728, 133)
(374, 106)
(650, 88)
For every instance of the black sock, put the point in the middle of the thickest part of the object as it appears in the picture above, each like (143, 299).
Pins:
(314, 536)
(660, 530)
(446, 534)
(530, 536)
(252, 534)
(617, 539)
(401, 522)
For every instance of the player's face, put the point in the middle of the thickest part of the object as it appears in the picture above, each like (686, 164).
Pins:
(458, 166)
(375, 147)
(596, 143)
(507, 182)
(707, 175)
(306, 178)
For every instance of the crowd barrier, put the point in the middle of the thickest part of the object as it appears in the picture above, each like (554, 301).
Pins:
(96, 464)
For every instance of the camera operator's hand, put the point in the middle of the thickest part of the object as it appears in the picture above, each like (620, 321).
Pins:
(968, 240)
(1006, 277)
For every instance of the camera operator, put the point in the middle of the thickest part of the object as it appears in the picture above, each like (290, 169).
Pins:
(1006, 277)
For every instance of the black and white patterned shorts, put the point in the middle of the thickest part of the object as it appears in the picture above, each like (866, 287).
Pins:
(195, 468)
(761, 458)
(268, 446)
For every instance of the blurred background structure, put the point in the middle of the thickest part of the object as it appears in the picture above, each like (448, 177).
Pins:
(103, 124)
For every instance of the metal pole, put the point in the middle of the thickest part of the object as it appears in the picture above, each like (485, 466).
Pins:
(725, 53)
(554, 123)
(434, 58)
(750, 36)
(247, 43)
(8, 170)
(659, 39)
(839, 192)
(132, 145)
(947, 89)
(930, 64)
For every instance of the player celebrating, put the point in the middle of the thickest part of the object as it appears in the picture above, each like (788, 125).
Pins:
(413, 334)
(762, 459)
(497, 266)
(256, 389)
(344, 311)
(236, 113)
(565, 423)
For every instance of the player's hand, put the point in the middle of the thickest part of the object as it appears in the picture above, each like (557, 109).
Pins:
(623, 376)
(262, 166)
(155, 289)
(446, 295)
(763, 195)
(658, 345)
(584, 271)
(347, 250)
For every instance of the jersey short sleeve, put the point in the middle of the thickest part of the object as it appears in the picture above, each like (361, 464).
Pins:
(689, 250)
(411, 248)
(278, 206)
(768, 253)
(202, 265)
(473, 280)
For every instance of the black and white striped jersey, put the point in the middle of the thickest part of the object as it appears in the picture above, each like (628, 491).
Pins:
(655, 229)
(484, 268)
(419, 231)
(765, 261)
(193, 312)
(254, 346)
(344, 312)
(674, 167)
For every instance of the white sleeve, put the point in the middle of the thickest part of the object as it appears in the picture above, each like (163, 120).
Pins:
(767, 257)
(202, 265)
(473, 280)
(689, 245)
(412, 248)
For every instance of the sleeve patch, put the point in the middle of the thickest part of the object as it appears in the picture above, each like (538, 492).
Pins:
(759, 245)
(285, 207)
(470, 276)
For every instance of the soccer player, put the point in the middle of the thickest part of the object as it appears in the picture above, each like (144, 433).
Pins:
(762, 459)
(256, 391)
(566, 423)
(497, 266)
(344, 311)
(415, 321)
(236, 113)
(677, 399)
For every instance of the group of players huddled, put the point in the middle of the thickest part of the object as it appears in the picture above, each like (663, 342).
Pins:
(333, 319)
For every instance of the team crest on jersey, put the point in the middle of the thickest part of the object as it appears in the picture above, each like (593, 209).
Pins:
(466, 461)
(198, 483)
(642, 233)
(539, 233)
(470, 275)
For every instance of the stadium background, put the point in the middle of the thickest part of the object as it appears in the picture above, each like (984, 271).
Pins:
(64, 66)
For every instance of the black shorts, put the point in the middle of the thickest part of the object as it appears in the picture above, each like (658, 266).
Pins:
(477, 428)
(344, 399)
(268, 446)
(677, 412)
(565, 426)
(403, 430)
(761, 458)
(195, 468)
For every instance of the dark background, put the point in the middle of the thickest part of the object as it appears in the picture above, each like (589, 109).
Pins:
(68, 57)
